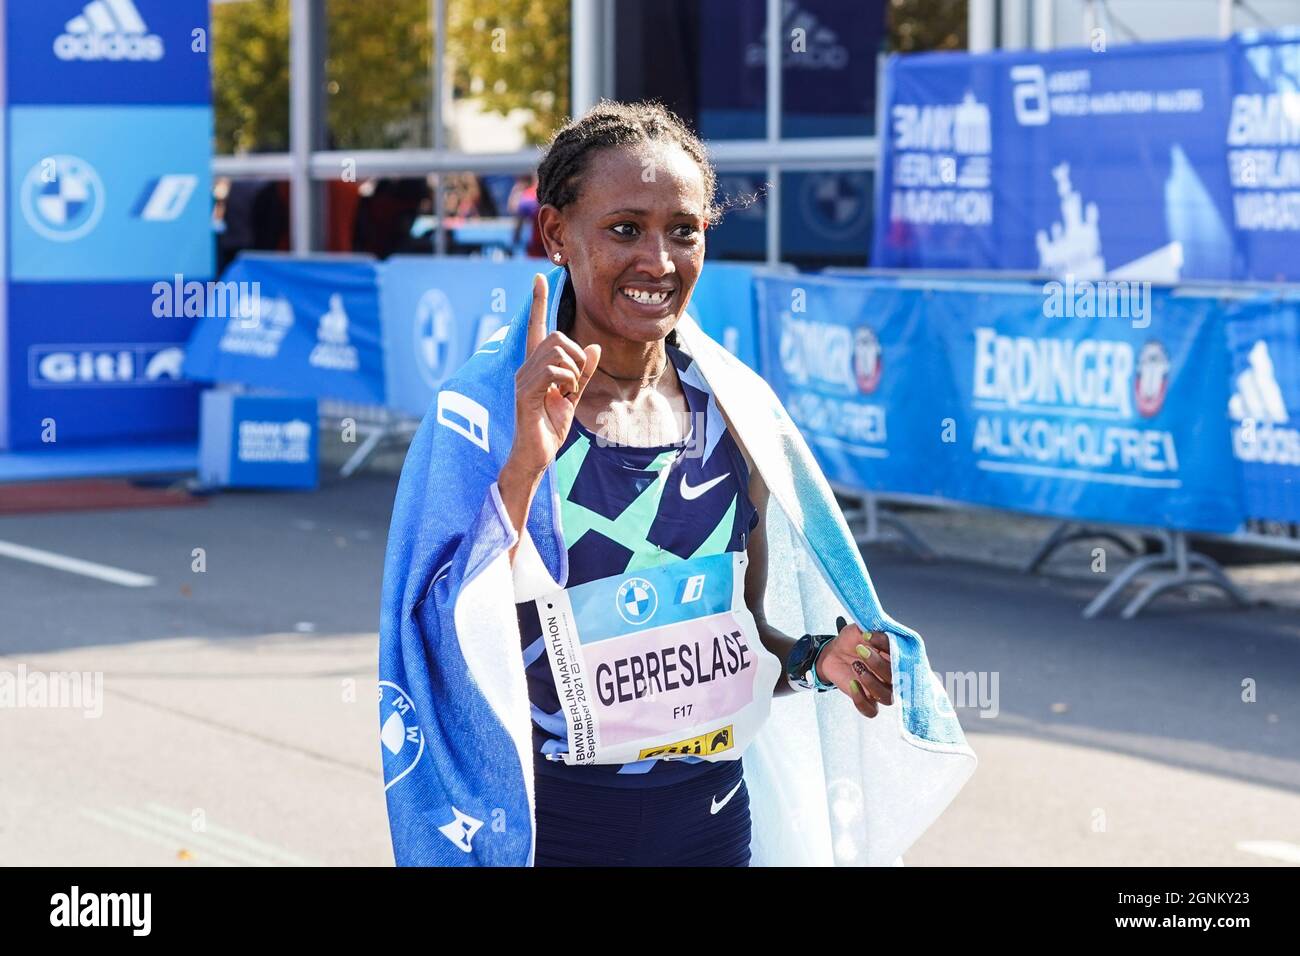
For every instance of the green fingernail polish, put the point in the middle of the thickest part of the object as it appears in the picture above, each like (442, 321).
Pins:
(857, 688)
(864, 651)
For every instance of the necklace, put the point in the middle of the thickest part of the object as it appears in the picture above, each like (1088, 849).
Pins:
(637, 378)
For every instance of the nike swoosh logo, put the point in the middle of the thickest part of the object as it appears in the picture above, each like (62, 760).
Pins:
(690, 493)
(716, 806)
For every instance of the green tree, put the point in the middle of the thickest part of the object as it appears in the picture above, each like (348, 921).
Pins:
(377, 73)
(512, 54)
(377, 70)
(916, 25)
(250, 76)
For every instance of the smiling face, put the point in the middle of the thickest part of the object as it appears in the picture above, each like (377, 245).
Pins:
(633, 238)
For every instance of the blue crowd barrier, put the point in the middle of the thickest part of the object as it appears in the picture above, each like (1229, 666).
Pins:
(307, 327)
(437, 311)
(1166, 407)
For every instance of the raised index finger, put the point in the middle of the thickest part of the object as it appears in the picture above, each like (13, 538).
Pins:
(537, 317)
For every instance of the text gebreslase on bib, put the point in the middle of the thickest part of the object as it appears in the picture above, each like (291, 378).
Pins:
(662, 662)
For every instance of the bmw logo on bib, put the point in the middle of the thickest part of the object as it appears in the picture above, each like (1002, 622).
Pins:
(636, 600)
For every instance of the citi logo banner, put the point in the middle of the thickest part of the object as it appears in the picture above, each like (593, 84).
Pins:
(108, 30)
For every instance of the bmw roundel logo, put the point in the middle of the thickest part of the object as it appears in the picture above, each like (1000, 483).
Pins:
(636, 600)
(836, 204)
(62, 198)
(434, 328)
(399, 733)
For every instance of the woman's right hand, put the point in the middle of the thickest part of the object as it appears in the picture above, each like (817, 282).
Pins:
(548, 386)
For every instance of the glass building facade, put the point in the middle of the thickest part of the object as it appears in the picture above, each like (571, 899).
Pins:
(374, 126)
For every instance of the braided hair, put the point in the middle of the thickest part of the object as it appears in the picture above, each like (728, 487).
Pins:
(612, 124)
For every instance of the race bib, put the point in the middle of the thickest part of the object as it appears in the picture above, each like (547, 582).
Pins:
(662, 662)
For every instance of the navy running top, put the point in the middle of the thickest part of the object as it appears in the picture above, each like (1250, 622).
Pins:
(615, 512)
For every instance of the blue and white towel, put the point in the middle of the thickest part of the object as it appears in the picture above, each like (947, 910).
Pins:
(827, 786)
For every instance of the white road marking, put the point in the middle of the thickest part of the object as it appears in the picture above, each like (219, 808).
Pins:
(61, 562)
(269, 850)
(162, 840)
(1276, 849)
(215, 845)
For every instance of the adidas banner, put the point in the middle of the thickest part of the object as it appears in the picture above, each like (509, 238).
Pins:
(106, 195)
(1264, 408)
(1158, 161)
(108, 51)
(1101, 401)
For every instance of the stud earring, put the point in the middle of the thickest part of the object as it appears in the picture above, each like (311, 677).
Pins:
(556, 257)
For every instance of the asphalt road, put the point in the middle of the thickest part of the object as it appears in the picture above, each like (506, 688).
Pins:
(236, 722)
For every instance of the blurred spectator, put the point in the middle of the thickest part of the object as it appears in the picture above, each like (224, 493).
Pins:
(465, 198)
(254, 216)
(523, 206)
(343, 199)
(386, 211)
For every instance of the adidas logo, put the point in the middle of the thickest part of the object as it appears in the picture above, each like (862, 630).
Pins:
(1257, 395)
(108, 30)
(1262, 435)
(811, 45)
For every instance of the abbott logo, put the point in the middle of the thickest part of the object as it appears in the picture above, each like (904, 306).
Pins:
(108, 30)
(1029, 94)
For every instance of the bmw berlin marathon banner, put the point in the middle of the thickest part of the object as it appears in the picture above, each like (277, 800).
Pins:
(1157, 162)
(107, 193)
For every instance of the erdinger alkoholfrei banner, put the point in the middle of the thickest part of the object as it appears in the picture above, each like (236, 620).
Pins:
(853, 361)
(1162, 161)
(107, 153)
(999, 394)
(1112, 419)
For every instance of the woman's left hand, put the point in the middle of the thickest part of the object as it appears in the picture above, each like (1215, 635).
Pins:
(858, 664)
